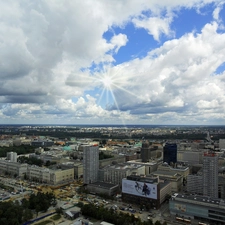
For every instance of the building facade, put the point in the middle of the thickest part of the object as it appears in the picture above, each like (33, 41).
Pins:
(145, 151)
(103, 188)
(36, 173)
(170, 153)
(141, 191)
(201, 208)
(13, 168)
(91, 163)
(115, 173)
(210, 174)
(194, 184)
(12, 156)
(222, 143)
(48, 176)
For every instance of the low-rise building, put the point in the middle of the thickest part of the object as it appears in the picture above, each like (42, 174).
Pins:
(103, 188)
(36, 173)
(150, 166)
(148, 191)
(201, 208)
(13, 168)
(173, 177)
(115, 173)
(42, 143)
(183, 170)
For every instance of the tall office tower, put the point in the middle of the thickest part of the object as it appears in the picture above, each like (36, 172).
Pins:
(210, 174)
(91, 163)
(170, 153)
(145, 151)
(12, 156)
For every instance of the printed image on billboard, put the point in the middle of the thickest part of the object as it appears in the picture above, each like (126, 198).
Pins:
(180, 207)
(139, 188)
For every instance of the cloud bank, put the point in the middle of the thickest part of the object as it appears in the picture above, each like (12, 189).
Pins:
(57, 65)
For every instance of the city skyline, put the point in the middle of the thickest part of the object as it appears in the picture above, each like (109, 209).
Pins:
(130, 62)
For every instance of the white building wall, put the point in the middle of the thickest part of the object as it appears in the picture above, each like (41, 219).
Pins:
(222, 143)
(12, 156)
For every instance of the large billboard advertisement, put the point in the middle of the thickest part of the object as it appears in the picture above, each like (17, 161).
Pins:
(139, 188)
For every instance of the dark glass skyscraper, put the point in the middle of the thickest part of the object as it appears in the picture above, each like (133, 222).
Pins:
(170, 153)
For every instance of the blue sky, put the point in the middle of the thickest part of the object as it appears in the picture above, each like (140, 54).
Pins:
(130, 62)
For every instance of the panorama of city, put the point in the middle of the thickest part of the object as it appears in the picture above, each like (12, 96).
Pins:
(112, 112)
(60, 174)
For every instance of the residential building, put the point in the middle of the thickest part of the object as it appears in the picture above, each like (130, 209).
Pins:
(90, 163)
(210, 174)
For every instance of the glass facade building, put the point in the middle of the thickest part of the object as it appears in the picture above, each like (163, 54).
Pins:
(170, 153)
(200, 208)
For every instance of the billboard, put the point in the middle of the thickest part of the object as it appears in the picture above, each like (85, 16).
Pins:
(138, 188)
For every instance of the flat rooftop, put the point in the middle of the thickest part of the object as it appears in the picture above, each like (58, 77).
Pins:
(103, 184)
(198, 199)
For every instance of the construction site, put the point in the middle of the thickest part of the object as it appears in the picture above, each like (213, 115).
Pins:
(62, 192)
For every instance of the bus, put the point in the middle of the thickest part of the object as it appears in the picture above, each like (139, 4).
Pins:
(184, 220)
(179, 219)
(187, 221)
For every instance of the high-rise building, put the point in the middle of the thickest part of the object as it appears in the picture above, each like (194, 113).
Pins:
(12, 156)
(170, 153)
(145, 151)
(210, 174)
(222, 143)
(91, 163)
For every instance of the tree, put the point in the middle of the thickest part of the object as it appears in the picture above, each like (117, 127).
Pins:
(27, 214)
(59, 211)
